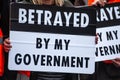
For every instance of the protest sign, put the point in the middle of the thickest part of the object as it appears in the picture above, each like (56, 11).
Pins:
(52, 39)
(108, 30)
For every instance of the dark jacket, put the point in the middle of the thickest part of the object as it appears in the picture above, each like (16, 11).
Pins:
(79, 3)
(4, 7)
(5, 17)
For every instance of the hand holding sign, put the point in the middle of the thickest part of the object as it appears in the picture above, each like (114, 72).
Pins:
(116, 62)
(7, 45)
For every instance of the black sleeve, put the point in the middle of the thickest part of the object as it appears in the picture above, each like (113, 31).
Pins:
(79, 3)
(0, 10)
(8, 74)
(5, 17)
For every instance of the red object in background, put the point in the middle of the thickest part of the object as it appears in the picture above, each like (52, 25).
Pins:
(27, 73)
(90, 2)
(109, 1)
(108, 61)
(1, 54)
(113, 1)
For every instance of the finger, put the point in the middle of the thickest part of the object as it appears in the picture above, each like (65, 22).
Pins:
(7, 45)
(116, 63)
(105, 1)
(7, 41)
(117, 59)
(101, 3)
(7, 49)
(96, 39)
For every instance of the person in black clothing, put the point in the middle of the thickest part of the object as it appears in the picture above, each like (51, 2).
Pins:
(47, 75)
(77, 2)
(4, 9)
(0, 11)
(72, 1)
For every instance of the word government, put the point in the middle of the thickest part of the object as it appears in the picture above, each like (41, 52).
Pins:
(53, 61)
(58, 18)
(108, 50)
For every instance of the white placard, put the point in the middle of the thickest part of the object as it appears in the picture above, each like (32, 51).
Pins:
(74, 55)
(108, 46)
